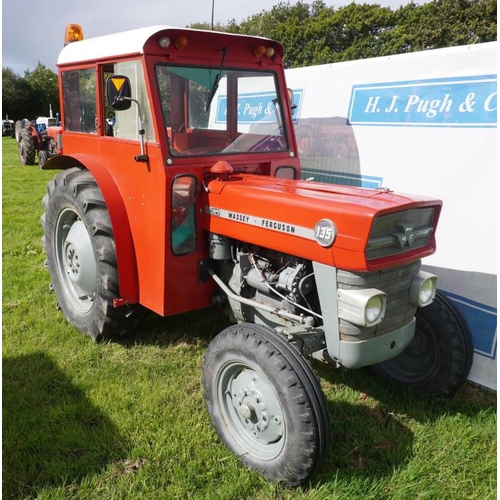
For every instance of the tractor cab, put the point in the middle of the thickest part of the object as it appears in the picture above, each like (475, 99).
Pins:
(154, 114)
(199, 96)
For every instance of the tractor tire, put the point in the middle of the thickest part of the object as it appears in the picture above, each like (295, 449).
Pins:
(43, 156)
(17, 129)
(438, 360)
(27, 147)
(266, 404)
(81, 256)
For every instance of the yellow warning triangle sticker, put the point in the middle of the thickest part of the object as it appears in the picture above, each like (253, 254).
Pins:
(118, 83)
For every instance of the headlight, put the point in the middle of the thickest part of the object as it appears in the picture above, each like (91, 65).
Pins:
(373, 308)
(423, 289)
(361, 307)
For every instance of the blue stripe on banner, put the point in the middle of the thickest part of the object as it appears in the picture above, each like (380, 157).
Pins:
(482, 321)
(443, 102)
(343, 178)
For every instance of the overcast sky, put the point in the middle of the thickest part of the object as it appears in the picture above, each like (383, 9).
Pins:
(33, 30)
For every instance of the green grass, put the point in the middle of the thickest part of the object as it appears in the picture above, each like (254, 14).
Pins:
(127, 419)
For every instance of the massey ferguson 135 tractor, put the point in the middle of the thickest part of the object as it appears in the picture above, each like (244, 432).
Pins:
(180, 188)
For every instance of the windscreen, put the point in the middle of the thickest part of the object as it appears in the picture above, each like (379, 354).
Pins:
(211, 111)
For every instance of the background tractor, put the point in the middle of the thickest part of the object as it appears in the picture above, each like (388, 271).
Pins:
(33, 139)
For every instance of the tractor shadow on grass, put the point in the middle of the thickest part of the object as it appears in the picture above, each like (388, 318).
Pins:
(372, 432)
(395, 399)
(195, 328)
(368, 440)
(52, 435)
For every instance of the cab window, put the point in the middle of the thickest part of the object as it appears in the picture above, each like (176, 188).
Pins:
(213, 111)
(126, 124)
(79, 100)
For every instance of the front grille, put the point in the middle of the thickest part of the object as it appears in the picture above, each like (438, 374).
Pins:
(396, 283)
(397, 233)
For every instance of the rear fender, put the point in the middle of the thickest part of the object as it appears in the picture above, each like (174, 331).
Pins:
(36, 138)
(125, 253)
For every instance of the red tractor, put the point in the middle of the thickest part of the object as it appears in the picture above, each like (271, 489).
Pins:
(33, 139)
(180, 188)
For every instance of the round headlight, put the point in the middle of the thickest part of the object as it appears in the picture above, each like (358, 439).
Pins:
(427, 291)
(373, 309)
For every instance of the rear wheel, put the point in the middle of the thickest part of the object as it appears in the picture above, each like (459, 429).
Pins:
(81, 255)
(27, 147)
(438, 360)
(266, 404)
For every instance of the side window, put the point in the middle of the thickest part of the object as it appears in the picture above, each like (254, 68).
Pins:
(79, 100)
(182, 223)
(126, 124)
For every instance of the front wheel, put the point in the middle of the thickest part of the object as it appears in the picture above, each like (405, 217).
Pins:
(81, 256)
(438, 359)
(266, 404)
(42, 158)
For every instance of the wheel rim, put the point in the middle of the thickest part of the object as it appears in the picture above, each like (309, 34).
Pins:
(251, 410)
(418, 360)
(75, 261)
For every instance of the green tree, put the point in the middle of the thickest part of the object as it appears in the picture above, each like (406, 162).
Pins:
(15, 91)
(317, 34)
(301, 28)
(359, 31)
(30, 95)
(44, 90)
(443, 23)
(207, 26)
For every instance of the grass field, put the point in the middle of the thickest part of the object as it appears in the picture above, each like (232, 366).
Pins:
(126, 420)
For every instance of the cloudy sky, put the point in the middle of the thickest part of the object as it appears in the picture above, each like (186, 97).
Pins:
(33, 30)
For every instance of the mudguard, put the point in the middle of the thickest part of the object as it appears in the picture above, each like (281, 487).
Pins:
(125, 253)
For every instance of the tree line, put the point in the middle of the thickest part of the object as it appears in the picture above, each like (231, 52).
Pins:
(311, 33)
(30, 95)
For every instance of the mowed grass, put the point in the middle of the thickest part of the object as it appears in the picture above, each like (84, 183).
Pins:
(127, 419)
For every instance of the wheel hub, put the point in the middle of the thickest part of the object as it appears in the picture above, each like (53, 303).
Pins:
(246, 411)
(72, 260)
(257, 407)
(79, 259)
(76, 263)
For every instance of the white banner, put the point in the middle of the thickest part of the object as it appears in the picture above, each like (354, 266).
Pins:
(423, 123)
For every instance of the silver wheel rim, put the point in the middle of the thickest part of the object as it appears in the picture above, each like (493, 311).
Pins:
(75, 260)
(251, 410)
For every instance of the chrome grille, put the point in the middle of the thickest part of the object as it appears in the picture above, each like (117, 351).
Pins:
(397, 233)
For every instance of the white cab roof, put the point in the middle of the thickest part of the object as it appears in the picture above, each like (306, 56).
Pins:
(118, 44)
(100, 47)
